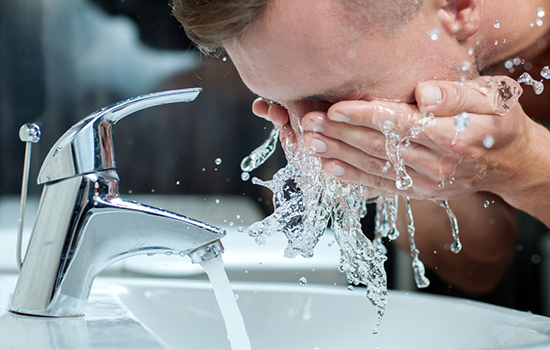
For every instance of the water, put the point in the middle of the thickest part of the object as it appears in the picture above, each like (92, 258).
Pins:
(488, 141)
(418, 267)
(262, 153)
(456, 246)
(434, 34)
(234, 323)
(545, 73)
(399, 131)
(306, 200)
(526, 79)
(497, 24)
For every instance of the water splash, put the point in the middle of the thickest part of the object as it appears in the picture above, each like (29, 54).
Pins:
(527, 79)
(399, 131)
(418, 267)
(306, 200)
(434, 34)
(545, 73)
(456, 246)
(262, 153)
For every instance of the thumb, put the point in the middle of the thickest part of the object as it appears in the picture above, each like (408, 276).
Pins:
(484, 95)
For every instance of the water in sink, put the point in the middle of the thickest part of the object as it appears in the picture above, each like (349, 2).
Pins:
(234, 324)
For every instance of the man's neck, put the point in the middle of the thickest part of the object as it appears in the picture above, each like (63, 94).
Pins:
(518, 35)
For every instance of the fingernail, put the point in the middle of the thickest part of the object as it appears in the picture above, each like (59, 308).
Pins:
(313, 126)
(336, 170)
(319, 145)
(431, 94)
(339, 117)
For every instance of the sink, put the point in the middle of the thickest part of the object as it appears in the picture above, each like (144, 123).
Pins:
(144, 313)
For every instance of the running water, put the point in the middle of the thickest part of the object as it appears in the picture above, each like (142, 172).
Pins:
(262, 153)
(234, 324)
(307, 200)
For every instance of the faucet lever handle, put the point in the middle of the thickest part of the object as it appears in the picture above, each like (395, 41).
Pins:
(87, 147)
(29, 133)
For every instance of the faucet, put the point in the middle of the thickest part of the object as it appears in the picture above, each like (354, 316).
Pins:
(83, 225)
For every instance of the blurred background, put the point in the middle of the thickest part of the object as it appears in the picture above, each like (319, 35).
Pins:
(61, 60)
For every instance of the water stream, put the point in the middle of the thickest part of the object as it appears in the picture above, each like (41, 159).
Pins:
(307, 200)
(234, 323)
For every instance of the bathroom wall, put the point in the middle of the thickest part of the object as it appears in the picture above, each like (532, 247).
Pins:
(63, 59)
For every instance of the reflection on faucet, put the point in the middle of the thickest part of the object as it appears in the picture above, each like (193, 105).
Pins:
(83, 225)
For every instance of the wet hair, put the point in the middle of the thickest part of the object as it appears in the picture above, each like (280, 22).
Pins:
(211, 23)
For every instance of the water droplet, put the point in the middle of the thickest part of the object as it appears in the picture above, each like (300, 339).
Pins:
(540, 12)
(480, 41)
(262, 153)
(217, 201)
(545, 73)
(150, 254)
(508, 64)
(203, 169)
(517, 61)
(153, 190)
(240, 229)
(486, 204)
(536, 259)
(539, 22)
(497, 24)
(182, 254)
(245, 176)
(434, 34)
(496, 42)
(178, 183)
(236, 296)
(130, 191)
(532, 25)
(350, 287)
(470, 51)
(169, 252)
(218, 161)
(526, 79)
(488, 141)
(461, 121)
(224, 59)
(465, 66)
(231, 224)
(245, 271)
(303, 281)
(441, 184)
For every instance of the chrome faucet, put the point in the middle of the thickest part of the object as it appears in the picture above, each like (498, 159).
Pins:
(83, 225)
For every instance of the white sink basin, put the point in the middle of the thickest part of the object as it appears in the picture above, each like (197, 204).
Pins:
(173, 314)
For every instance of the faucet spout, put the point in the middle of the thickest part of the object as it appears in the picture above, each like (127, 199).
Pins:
(67, 252)
(83, 225)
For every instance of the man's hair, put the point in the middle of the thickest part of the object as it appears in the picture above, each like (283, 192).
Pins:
(211, 23)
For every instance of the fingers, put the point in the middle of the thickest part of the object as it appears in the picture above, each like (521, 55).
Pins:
(371, 114)
(485, 95)
(272, 112)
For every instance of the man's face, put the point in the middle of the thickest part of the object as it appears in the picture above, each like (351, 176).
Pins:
(316, 50)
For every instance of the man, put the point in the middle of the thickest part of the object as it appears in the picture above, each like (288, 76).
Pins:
(338, 64)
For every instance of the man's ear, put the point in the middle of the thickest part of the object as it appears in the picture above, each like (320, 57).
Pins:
(461, 18)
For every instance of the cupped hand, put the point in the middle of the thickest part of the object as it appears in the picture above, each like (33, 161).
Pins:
(443, 161)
